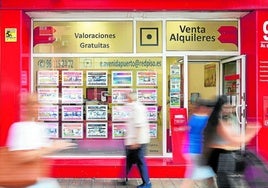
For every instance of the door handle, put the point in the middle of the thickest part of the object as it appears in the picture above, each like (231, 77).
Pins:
(236, 113)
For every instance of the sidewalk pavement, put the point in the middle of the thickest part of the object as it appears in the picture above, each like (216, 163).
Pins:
(115, 183)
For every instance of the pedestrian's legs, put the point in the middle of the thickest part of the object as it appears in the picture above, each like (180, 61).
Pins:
(142, 165)
(129, 161)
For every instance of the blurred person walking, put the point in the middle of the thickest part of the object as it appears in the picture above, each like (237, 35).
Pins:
(222, 136)
(29, 140)
(137, 138)
(195, 171)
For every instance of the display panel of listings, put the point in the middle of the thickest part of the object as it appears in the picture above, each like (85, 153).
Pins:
(72, 130)
(48, 113)
(146, 78)
(119, 130)
(97, 78)
(97, 130)
(147, 96)
(48, 78)
(153, 130)
(121, 78)
(72, 113)
(48, 95)
(119, 96)
(120, 113)
(52, 129)
(72, 78)
(175, 81)
(151, 113)
(72, 95)
(96, 112)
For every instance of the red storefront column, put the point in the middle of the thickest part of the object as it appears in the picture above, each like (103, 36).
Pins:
(254, 30)
(14, 57)
(262, 82)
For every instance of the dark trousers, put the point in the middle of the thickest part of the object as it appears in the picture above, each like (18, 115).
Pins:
(136, 156)
(223, 167)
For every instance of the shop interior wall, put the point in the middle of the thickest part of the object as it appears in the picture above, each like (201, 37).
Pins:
(196, 84)
(11, 62)
(197, 79)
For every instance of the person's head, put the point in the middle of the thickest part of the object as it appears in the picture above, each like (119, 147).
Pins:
(29, 106)
(214, 117)
(204, 106)
(213, 121)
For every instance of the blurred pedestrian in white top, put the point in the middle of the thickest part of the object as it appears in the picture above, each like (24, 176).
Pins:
(137, 138)
(30, 136)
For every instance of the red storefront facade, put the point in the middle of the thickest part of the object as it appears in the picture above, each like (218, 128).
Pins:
(15, 67)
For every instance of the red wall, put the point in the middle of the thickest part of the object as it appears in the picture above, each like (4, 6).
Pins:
(248, 47)
(262, 86)
(251, 35)
(13, 54)
(150, 5)
(15, 57)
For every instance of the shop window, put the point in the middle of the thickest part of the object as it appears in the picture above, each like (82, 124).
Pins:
(85, 103)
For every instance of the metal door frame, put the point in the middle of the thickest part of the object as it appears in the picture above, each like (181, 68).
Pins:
(241, 103)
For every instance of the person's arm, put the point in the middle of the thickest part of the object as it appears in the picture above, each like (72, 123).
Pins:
(251, 131)
(30, 155)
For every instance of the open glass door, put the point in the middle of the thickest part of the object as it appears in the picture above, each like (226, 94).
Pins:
(232, 79)
(175, 93)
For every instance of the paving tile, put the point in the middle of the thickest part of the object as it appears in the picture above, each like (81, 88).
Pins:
(115, 183)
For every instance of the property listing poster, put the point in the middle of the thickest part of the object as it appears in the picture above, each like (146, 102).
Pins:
(175, 70)
(120, 113)
(72, 130)
(121, 78)
(175, 84)
(153, 130)
(147, 96)
(72, 95)
(72, 78)
(119, 130)
(175, 81)
(97, 78)
(119, 96)
(48, 113)
(72, 113)
(97, 130)
(52, 129)
(151, 113)
(174, 99)
(146, 78)
(96, 112)
(48, 95)
(47, 78)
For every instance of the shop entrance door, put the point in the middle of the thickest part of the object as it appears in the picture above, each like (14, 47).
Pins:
(232, 84)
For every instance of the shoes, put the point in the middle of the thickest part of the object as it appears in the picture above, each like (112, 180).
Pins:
(124, 182)
(148, 185)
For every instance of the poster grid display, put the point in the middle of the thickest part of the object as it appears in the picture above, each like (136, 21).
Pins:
(67, 105)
